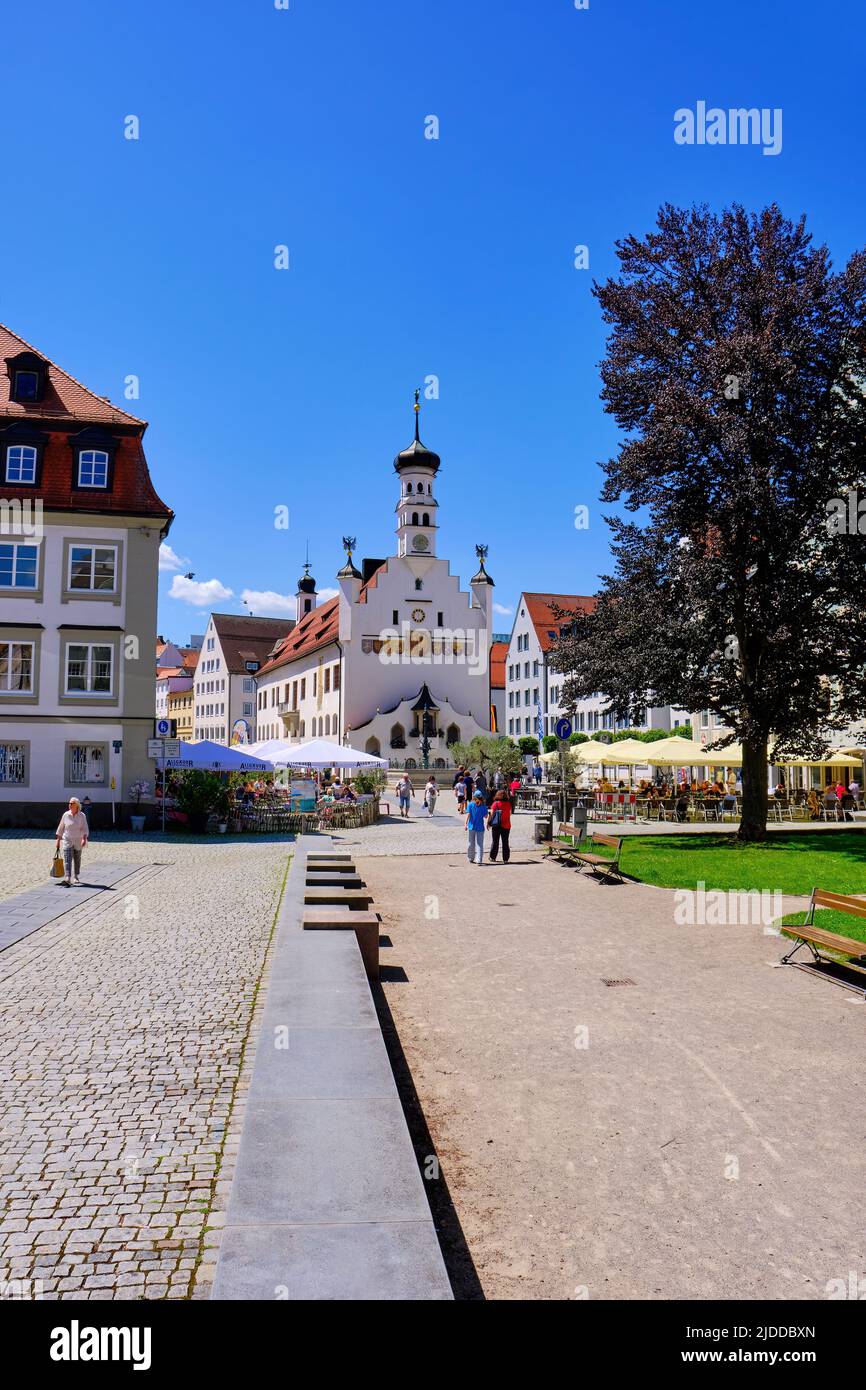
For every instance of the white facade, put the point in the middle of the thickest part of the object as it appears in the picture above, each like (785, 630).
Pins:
(76, 660)
(380, 643)
(530, 680)
(222, 697)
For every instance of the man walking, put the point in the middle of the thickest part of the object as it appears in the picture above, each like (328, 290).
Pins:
(404, 793)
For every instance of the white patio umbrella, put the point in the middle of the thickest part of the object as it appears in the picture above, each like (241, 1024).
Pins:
(321, 752)
(206, 756)
(274, 750)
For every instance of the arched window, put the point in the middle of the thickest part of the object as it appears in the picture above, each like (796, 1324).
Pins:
(453, 734)
(372, 747)
(408, 487)
(419, 584)
(426, 518)
(302, 730)
(20, 464)
(327, 724)
(414, 518)
(398, 736)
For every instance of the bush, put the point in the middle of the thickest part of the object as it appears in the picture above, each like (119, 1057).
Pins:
(529, 745)
(199, 794)
(551, 742)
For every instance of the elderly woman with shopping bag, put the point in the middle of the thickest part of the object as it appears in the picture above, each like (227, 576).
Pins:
(72, 835)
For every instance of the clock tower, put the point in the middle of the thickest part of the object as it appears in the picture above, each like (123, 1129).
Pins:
(416, 507)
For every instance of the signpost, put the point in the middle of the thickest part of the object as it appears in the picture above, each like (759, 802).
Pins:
(161, 748)
(562, 729)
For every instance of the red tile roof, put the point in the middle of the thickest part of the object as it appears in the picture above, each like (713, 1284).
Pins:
(72, 407)
(316, 629)
(64, 396)
(246, 639)
(540, 609)
(498, 653)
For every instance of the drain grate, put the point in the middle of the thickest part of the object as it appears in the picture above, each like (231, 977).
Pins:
(610, 983)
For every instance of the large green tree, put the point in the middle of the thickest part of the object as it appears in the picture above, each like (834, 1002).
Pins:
(735, 366)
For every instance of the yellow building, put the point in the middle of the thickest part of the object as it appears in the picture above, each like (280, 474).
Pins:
(180, 707)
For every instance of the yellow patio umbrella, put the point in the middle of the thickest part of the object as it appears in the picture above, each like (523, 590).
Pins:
(626, 753)
(834, 760)
(676, 752)
(589, 752)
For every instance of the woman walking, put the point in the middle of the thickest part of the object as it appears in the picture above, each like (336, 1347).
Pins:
(72, 833)
(475, 819)
(431, 791)
(500, 826)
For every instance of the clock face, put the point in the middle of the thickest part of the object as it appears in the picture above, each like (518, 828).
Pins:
(420, 542)
(418, 615)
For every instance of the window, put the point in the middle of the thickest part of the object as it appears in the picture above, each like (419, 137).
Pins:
(16, 667)
(303, 687)
(336, 681)
(419, 585)
(414, 518)
(439, 622)
(535, 668)
(93, 468)
(395, 617)
(21, 463)
(426, 518)
(248, 708)
(249, 685)
(13, 764)
(18, 566)
(89, 668)
(26, 386)
(92, 568)
(86, 763)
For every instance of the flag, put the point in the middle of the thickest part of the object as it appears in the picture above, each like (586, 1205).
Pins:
(540, 726)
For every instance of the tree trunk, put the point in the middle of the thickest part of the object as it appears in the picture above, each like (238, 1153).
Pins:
(753, 825)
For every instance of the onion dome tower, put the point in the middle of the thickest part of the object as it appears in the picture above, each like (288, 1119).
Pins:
(416, 508)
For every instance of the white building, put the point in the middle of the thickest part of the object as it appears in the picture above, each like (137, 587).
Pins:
(530, 680)
(80, 529)
(398, 663)
(234, 648)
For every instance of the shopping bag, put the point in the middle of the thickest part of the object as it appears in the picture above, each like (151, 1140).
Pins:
(58, 868)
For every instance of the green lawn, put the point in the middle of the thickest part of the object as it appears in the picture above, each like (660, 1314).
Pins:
(829, 920)
(795, 862)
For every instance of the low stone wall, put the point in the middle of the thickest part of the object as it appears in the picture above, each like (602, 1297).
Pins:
(327, 1201)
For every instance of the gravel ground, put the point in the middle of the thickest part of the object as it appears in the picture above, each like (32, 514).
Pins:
(124, 1026)
(669, 1136)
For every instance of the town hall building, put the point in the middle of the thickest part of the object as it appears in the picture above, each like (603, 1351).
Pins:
(398, 663)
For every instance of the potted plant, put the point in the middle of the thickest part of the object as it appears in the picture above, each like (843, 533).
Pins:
(222, 806)
(197, 796)
(136, 792)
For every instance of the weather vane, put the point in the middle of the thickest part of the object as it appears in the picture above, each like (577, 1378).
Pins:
(349, 543)
(481, 552)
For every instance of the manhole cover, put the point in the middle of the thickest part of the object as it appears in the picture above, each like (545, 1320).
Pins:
(610, 983)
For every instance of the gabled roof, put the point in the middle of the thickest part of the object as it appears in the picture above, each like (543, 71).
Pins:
(540, 609)
(65, 398)
(244, 639)
(498, 653)
(317, 628)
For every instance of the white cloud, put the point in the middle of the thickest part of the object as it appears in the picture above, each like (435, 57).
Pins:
(325, 594)
(500, 608)
(266, 603)
(199, 593)
(169, 559)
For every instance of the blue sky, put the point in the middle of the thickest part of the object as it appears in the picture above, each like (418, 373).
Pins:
(409, 257)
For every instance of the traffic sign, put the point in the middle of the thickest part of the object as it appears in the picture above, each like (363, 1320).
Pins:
(172, 748)
(562, 728)
(163, 728)
(156, 747)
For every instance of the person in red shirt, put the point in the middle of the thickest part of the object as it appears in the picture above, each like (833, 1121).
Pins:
(500, 826)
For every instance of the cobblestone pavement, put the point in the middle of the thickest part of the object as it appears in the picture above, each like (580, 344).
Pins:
(124, 1029)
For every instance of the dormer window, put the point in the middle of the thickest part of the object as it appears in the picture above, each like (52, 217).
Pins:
(93, 468)
(26, 386)
(27, 373)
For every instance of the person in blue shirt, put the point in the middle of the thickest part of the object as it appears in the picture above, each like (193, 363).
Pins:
(476, 818)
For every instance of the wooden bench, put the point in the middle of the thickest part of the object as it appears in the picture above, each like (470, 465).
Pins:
(588, 859)
(813, 937)
(566, 853)
(365, 925)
